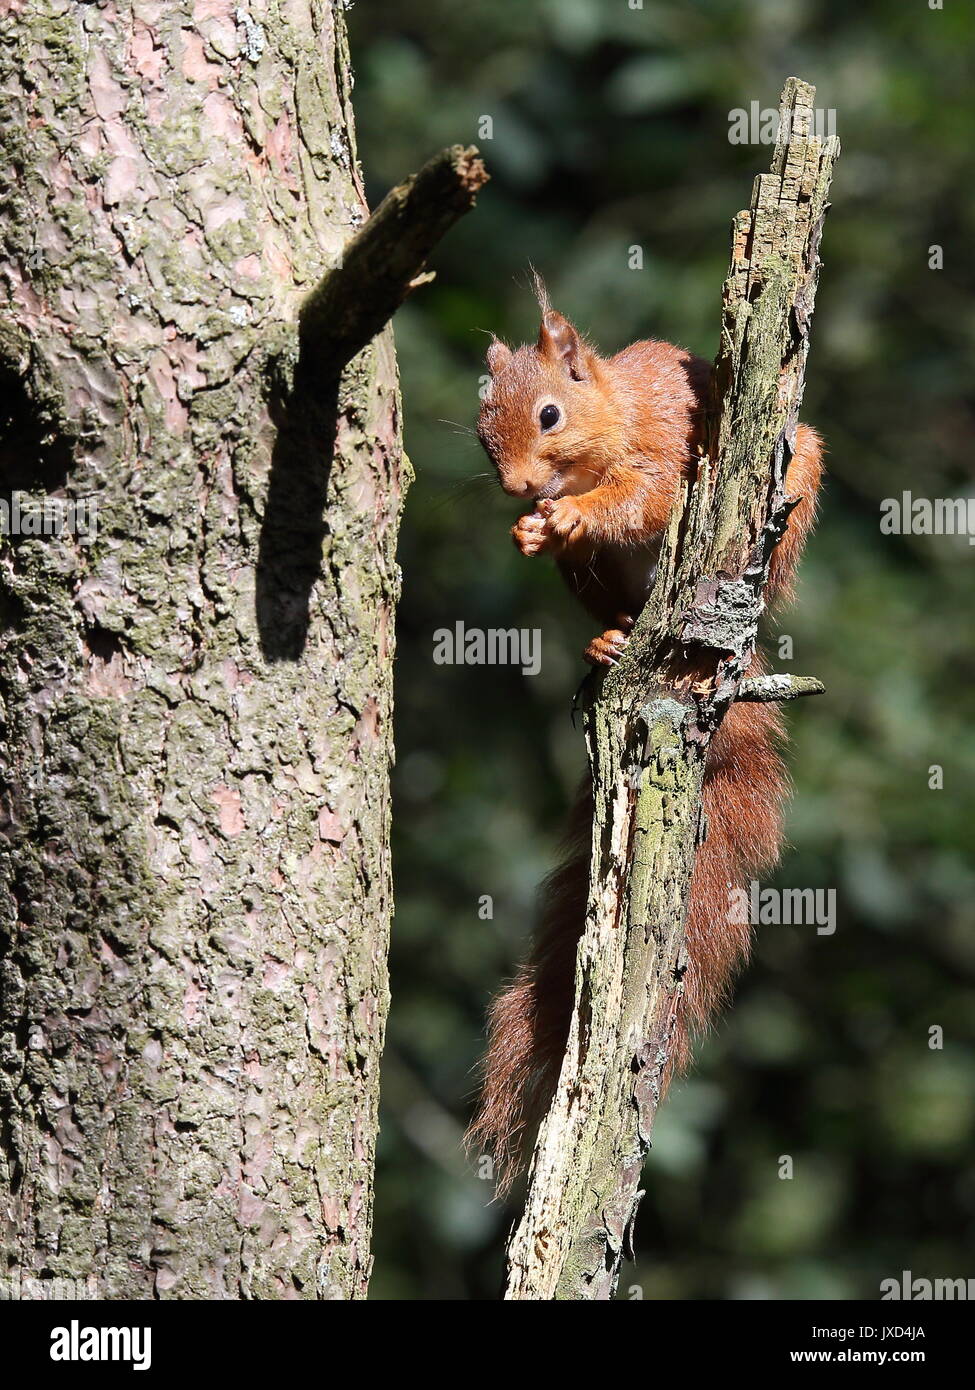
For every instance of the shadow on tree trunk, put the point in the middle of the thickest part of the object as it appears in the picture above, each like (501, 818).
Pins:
(294, 526)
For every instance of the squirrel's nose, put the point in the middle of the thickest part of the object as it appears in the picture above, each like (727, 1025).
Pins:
(518, 487)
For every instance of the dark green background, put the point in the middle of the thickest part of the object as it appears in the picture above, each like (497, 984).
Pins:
(611, 130)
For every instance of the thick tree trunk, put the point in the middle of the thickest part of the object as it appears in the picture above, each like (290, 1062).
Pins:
(195, 878)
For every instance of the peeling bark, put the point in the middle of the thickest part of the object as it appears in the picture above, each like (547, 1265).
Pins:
(648, 731)
(194, 868)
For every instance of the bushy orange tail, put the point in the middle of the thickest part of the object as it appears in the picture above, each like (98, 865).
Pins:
(744, 788)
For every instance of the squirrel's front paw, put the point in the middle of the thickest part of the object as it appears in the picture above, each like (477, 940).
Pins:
(564, 519)
(529, 533)
(607, 649)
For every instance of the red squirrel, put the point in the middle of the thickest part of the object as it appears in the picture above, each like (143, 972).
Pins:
(599, 446)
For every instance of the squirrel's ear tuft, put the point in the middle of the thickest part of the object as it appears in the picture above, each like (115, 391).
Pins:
(541, 293)
(559, 342)
(498, 356)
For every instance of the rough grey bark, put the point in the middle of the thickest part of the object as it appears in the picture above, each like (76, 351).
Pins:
(648, 732)
(194, 864)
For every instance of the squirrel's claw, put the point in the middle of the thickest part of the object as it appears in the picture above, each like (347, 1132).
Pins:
(607, 649)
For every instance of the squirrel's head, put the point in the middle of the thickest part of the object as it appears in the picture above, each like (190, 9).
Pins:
(548, 420)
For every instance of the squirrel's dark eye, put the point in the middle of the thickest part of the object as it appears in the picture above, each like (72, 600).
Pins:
(549, 415)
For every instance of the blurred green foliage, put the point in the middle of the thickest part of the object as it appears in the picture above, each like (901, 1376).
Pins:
(610, 130)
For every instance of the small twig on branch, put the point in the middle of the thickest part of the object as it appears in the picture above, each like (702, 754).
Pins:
(648, 732)
(383, 262)
(765, 688)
